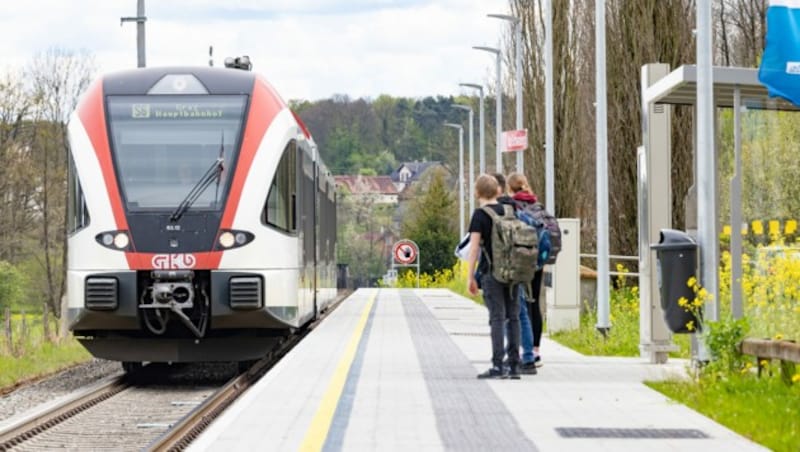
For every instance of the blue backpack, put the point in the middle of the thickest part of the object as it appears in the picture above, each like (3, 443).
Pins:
(545, 239)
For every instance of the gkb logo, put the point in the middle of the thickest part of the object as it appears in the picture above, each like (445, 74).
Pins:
(173, 261)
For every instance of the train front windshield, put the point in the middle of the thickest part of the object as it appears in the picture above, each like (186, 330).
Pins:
(164, 145)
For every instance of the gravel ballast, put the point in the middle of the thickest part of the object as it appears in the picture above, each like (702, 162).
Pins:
(29, 396)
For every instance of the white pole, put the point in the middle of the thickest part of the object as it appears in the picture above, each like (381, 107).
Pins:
(736, 208)
(601, 178)
(518, 50)
(515, 21)
(499, 113)
(471, 154)
(705, 151)
(481, 136)
(471, 161)
(499, 119)
(460, 176)
(461, 181)
(471, 171)
(550, 186)
(482, 141)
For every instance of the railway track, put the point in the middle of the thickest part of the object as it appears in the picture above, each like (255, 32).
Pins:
(134, 412)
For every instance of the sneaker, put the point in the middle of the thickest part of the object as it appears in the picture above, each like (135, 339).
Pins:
(493, 373)
(538, 361)
(514, 373)
(528, 368)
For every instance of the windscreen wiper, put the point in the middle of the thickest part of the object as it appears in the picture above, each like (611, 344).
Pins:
(213, 172)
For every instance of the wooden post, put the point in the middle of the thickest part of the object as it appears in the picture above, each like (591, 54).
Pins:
(9, 336)
(23, 335)
(46, 322)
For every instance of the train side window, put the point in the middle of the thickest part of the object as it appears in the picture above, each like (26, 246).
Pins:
(77, 213)
(279, 210)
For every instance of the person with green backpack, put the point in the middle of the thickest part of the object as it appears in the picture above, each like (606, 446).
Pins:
(509, 249)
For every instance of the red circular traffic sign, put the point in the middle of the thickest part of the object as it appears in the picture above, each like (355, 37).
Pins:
(405, 251)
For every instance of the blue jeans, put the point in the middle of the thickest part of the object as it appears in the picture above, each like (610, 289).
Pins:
(525, 329)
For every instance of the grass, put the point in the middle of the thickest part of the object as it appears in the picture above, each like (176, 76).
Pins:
(762, 409)
(42, 360)
(31, 355)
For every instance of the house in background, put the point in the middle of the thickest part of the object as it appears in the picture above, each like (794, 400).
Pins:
(379, 187)
(410, 172)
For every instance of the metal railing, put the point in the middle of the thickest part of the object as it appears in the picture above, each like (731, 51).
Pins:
(616, 257)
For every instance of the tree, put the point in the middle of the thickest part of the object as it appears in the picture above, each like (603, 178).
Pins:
(431, 222)
(364, 230)
(58, 77)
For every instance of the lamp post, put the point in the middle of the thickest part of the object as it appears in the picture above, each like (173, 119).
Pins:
(517, 25)
(549, 129)
(471, 153)
(499, 119)
(460, 176)
(601, 174)
(482, 159)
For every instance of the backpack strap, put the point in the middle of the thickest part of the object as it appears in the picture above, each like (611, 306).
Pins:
(507, 210)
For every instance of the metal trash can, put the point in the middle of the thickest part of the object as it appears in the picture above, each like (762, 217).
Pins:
(676, 262)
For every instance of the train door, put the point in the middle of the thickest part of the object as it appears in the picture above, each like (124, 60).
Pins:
(307, 229)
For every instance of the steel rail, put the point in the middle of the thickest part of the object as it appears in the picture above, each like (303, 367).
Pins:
(27, 428)
(188, 428)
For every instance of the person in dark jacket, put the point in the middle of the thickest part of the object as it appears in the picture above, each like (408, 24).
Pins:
(522, 195)
(500, 299)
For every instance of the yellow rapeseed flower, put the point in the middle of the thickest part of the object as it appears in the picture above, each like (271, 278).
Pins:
(691, 282)
(682, 301)
(795, 378)
(690, 325)
(763, 363)
(778, 337)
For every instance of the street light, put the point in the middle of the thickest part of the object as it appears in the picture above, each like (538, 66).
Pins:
(460, 176)
(471, 152)
(499, 119)
(482, 159)
(518, 57)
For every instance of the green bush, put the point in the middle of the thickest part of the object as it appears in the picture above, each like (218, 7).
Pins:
(12, 286)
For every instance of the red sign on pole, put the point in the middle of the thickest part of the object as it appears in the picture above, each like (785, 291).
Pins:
(405, 252)
(515, 140)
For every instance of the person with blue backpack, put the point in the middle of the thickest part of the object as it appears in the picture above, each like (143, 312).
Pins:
(528, 357)
(524, 198)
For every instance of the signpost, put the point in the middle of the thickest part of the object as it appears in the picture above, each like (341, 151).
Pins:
(405, 253)
(515, 140)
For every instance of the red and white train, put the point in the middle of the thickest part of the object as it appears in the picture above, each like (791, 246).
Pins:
(202, 222)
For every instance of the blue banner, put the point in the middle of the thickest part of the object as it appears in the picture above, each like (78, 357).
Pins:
(780, 65)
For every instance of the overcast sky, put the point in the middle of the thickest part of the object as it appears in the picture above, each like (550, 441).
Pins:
(308, 49)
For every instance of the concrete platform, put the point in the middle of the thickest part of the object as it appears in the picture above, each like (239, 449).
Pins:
(395, 370)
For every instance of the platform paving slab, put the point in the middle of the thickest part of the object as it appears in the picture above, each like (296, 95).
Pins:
(412, 386)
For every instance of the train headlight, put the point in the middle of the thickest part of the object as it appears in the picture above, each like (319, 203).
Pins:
(226, 239)
(230, 238)
(240, 238)
(121, 240)
(116, 240)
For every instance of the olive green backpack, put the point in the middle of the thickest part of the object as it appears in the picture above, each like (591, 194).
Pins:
(515, 248)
